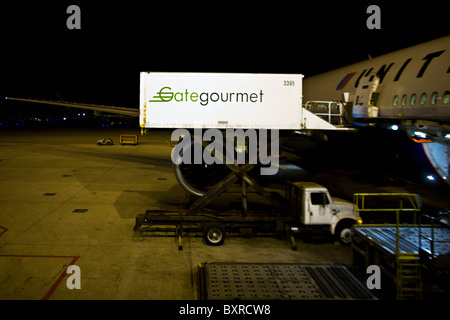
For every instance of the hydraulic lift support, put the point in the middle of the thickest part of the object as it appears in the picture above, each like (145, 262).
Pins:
(215, 225)
(236, 173)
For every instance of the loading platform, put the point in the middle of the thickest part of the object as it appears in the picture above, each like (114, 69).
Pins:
(413, 258)
(281, 281)
(432, 244)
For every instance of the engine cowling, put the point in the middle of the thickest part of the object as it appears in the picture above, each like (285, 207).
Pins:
(197, 179)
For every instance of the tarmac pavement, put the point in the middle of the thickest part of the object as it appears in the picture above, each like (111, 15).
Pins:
(65, 200)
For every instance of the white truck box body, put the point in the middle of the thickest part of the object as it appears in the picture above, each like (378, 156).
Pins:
(223, 100)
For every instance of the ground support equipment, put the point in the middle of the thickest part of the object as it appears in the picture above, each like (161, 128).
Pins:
(213, 226)
(404, 271)
(128, 139)
(280, 281)
(408, 254)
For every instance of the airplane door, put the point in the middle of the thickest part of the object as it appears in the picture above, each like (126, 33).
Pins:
(319, 208)
(365, 97)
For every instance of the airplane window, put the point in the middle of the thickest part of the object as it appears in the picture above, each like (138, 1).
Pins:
(446, 97)
(395, 101)
(404, 99)
(413, 99)
(434, 97)
(423, 98)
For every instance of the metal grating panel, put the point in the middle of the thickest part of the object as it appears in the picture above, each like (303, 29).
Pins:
(281, 281)
(385, 236)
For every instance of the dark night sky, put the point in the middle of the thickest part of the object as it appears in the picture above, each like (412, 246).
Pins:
(100, 63)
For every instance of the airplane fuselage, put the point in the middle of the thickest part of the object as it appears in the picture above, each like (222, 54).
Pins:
(412, 83)
(408, 90)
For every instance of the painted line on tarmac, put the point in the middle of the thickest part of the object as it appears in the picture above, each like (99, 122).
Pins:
(61, 276)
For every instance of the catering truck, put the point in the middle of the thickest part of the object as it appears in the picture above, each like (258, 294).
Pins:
(306, 206)
(314, 206)
(229, 103)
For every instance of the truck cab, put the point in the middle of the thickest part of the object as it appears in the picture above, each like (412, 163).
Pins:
(315, 207)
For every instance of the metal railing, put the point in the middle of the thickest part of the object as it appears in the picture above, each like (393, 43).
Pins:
(408, 266)
(330, 111)
(388, 202)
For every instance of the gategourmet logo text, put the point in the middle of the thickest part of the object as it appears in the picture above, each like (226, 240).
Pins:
(166, 95)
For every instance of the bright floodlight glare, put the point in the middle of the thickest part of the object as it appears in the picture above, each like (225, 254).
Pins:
(420, 134)
(394, 127)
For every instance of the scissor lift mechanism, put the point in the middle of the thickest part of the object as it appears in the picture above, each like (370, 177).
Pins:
(214, 225)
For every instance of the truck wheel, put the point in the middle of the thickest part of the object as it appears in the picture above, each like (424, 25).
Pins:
(344, 233)
(214, 234)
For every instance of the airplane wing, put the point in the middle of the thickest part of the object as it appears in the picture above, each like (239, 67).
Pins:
(108, 109)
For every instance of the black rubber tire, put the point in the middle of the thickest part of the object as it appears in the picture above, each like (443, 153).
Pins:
(214, 234)
(343, 233)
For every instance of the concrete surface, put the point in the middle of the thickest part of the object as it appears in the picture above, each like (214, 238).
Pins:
(47, 174)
